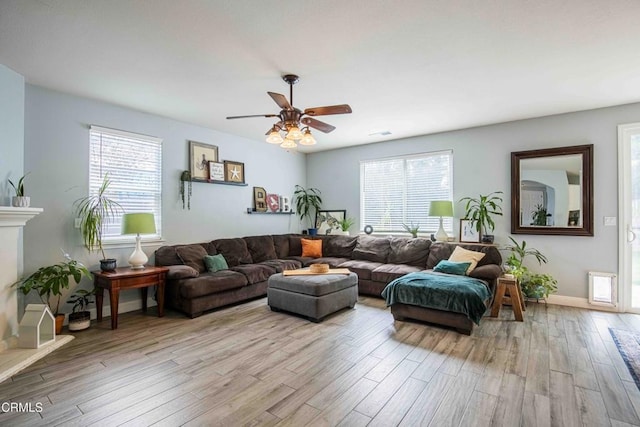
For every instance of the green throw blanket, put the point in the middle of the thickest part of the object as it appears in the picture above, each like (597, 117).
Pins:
(460, 294)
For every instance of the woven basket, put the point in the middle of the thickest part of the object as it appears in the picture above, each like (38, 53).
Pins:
(319, 268)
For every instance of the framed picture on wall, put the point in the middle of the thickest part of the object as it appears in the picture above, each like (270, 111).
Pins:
(468, 232)
(199, 157)
(233, 171)
(328, 222)
(216, 171)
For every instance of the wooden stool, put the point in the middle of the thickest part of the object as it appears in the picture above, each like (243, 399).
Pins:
(508, 286)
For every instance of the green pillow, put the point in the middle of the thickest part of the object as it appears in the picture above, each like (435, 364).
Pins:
(450, 267)
(215, 263)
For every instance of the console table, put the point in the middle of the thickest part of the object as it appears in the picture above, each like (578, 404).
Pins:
(127, 278)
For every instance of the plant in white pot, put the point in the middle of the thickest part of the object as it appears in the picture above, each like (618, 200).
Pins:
(94, 212)
(80, 318)
(345, 224)
(20, 200)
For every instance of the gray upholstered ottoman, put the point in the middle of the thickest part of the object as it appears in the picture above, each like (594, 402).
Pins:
(313, 296)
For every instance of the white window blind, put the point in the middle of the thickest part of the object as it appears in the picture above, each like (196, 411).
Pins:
(397, 191)
(134, 165)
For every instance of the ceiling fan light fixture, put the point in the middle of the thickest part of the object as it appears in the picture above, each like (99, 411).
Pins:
(288, 143)
(307, 139)
(294, 133)
(274, 137)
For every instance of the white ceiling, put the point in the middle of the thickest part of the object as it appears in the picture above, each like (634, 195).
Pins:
(410, 67)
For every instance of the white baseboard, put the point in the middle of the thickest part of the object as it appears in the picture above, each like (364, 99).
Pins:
(578, 303)
(123, 307)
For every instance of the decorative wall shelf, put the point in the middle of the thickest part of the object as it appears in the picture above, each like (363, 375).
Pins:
(206, 181)
(252, 212)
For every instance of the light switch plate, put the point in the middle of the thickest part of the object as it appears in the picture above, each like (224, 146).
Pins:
(609, 221)
(77, 223)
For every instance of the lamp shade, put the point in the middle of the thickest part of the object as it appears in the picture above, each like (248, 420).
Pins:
(138, 223)
(441, 208)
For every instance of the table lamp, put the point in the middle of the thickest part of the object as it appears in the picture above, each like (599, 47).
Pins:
(138, 223)
(441, 208)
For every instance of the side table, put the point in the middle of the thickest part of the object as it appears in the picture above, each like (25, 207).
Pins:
(127, 278)
(508, 286)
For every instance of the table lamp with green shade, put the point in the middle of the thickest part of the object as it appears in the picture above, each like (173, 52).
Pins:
(441, 208)
(138, 223)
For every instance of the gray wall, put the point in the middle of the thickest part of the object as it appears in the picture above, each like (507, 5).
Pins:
(11, 131)
(57, 155)
(482, 165)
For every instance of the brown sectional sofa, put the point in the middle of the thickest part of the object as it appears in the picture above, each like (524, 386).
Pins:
(376, 260)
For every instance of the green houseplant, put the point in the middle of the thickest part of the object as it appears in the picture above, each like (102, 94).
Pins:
(481, 211)
(80, 318)
(49, 283)
(20, 200)
(94, 212)
(540, 215)
(308, 201)
(412, 229)
(533, 285)
(346, 224)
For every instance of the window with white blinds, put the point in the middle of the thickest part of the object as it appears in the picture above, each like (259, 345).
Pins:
(397, 191)
(134, 165)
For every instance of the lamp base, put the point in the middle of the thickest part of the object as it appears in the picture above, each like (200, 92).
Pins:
(138, 259)
(441, 235)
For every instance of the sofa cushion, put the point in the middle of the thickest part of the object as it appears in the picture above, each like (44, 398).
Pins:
(362, 268)
(311, 248)
(215, 263)
(281, 245)
(408, 250)
(255, 273)
(489, 272)
(388, 272)
(166, 255)
(295, 246)
(234, 251)
(193, 256)
(339, 246)
(181, 272)
(261, 248)
(211, 283)
(375, 249)
(332, 261)
(443, 250)
(283, 264)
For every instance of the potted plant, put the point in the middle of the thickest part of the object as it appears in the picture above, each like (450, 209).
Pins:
(80, 318)
(345, 224)
(94, 212)
(308, 201)
(533, 285)
(412, 229)
(50, 282)
(20, 200)
(480, 211)
(540, 215)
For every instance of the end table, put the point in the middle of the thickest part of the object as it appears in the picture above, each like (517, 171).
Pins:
(127, 278)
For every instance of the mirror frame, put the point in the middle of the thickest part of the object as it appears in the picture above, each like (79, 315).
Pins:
(587, 191)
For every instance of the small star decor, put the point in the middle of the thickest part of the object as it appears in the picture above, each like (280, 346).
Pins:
(233, 171)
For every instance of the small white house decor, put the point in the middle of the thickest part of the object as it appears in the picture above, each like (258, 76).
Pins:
(38, 327)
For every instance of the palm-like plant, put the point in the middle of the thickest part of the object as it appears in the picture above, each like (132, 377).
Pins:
(94, 212)
(480, 210)
(308, 200)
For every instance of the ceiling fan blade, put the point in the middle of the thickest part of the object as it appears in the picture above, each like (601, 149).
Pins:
(330, 109)
(281, 100)
(253, 115)
(317, 124)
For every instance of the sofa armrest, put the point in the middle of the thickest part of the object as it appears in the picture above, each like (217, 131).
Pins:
(181, 272)
(489, 271)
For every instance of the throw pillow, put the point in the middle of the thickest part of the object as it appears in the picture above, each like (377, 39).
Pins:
(215, 263)
(177, 272)
(311, 248)
(450, 267)
(463, 255)
(192, 256)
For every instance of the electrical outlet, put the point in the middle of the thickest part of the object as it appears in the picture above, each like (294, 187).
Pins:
(77, 223)
(609, 221)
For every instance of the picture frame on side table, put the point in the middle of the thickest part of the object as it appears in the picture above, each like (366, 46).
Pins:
(468, 232)
(234, 171)
(216, 171)
(328, 222)
(200, 155)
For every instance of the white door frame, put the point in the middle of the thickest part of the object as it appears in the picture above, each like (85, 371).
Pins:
(624, 213)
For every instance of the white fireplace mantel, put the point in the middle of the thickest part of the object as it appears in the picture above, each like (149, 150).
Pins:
(16, 217)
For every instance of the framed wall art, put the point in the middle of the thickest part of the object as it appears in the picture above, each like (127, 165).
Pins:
(199, 157)
(328, 222)
(216, 171)
(468, 232)
(234, 171)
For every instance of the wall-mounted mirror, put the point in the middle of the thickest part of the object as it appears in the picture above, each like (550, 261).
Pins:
(552, 191)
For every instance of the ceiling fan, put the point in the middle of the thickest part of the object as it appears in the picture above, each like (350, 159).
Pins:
(291, 118)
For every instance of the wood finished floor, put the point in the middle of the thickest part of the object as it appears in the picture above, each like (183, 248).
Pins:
(245, 365)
